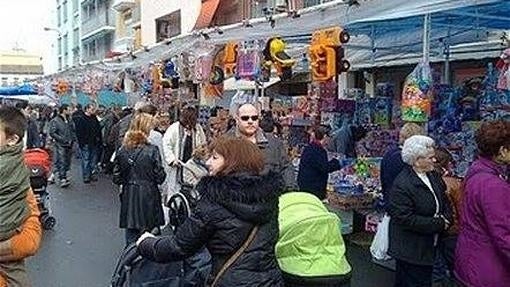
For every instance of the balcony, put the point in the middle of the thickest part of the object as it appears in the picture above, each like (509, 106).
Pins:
(100, 23)
(123, 5)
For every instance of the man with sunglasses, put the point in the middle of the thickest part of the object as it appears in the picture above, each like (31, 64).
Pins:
(247, 126)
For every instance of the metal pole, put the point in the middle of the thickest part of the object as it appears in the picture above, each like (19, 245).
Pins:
(447, 59)
(426, 38)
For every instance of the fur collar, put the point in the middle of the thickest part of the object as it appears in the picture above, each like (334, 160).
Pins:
(253, 198)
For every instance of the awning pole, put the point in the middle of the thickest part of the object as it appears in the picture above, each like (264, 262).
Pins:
(447, 59)
(426, 38)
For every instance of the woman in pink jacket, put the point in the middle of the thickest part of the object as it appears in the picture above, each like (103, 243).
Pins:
(483, 246)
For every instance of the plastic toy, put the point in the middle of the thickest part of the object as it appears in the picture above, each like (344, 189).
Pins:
(274, 53)
(416, 96)
(230, 58)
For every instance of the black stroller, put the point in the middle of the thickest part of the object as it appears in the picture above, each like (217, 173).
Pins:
(38, 162)
(133, 270)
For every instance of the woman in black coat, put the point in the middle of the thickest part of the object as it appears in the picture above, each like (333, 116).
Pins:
(419, 212)
(236, 219)
(138, 169)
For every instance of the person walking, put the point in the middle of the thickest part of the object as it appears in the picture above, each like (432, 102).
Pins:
(314, 166)
(236, 219)
(247, 120)
(88, 134)
(179, 142)
(138, 169)
(61, 130)
(109, 120)
(419, 212)
(482, 256)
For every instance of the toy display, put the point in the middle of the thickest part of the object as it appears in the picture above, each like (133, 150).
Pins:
(274, 54)
(417, 96)
(248, 61)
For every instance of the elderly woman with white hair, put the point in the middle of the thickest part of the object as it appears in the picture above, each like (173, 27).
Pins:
(419, 212)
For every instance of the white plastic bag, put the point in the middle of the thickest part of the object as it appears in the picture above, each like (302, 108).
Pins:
(379, 247)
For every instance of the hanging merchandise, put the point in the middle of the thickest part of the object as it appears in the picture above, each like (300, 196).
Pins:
(60, 87)
(503, 66)
(203, 66)
(248, 61)
(417, 94)
(327, 53)
(185, 66)
(274, 54)
(230, 59)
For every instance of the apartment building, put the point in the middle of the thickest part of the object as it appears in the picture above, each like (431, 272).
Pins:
(68, 30)
(98, 26)
(128, 33)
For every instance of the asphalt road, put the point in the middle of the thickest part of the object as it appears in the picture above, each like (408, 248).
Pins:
(83, 248)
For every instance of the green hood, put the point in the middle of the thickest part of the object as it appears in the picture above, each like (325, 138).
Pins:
(14, 184)
(310, 242)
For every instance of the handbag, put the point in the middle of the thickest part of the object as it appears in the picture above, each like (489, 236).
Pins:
(381, 242)
(235, 256)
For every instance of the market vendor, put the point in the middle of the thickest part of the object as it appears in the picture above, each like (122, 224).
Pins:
(314, 166)
(344, 140)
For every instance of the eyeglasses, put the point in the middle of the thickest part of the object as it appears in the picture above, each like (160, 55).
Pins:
(246, 118)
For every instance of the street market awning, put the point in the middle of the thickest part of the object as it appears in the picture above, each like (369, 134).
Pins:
(207, 12)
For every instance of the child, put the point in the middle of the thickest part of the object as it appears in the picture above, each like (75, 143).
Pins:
(14, 187)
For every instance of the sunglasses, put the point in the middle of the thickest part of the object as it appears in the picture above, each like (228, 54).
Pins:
(246, 118)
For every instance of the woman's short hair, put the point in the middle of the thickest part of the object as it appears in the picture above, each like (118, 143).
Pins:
(408, 130)
(492, 136)
(139, 130)
(416, 147)
(189, 117)
(240, 155)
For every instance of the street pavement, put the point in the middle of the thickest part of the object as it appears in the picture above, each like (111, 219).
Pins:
(83, 248)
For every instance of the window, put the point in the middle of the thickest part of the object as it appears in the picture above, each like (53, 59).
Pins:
(76, 38)
(66, 44)
(15, 81)
(64, 7)
(168, 26)
(59, 16)
(60, 63)
(5, 81)
(59, 46)
(76, 5)
(128, 15)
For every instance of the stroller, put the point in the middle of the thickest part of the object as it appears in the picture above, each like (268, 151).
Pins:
(132, 270)
(38, 162)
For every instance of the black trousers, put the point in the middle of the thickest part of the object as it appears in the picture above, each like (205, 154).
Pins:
(412, 275)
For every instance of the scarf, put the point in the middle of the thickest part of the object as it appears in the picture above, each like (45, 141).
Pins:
(14, 184)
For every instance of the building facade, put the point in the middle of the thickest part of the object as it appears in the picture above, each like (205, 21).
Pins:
(68, 29)
(128, 32)
(97, 29)
(17, 66)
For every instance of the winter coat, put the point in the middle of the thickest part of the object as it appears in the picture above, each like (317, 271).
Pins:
(342, 142)
(275, 156)
(314, 169)
(173, 143)
(230, 207)
(483, 245)
(33, 138)
(107, 124)
(310, 248)
(415, 224)
(62, 131)
(140, 171)
(88, 130)
(391, 166)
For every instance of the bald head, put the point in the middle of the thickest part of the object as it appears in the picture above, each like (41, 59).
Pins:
(247, 119)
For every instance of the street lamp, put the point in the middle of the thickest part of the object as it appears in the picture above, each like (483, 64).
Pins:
(47, 29)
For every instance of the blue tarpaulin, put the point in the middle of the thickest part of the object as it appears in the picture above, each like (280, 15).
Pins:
(24, 89)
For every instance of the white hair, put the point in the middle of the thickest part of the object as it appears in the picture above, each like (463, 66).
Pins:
(416, 147)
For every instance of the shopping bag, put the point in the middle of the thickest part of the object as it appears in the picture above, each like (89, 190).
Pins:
(379, 247)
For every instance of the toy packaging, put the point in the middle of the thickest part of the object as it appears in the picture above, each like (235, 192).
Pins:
(416, 96)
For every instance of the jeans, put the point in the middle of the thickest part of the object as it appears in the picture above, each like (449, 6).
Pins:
(62, 160)
(88, 155)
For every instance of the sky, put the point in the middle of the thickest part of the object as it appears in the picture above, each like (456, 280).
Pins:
(22, 23)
